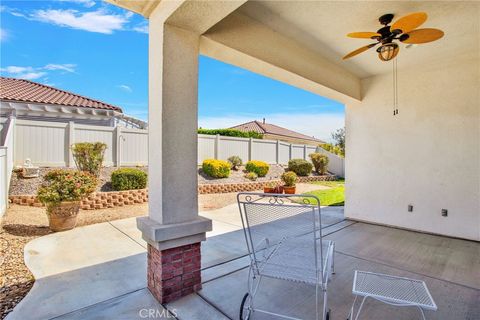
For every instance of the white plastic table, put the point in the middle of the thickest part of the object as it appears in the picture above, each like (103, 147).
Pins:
(397, 291)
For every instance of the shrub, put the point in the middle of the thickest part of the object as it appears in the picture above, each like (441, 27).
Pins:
(66, 185)
(259, 167)
(333, 149)
(289, 178)
(89, 156)
(235, 162)
(300, 167)
(251, 176)
(128, 179)
(231, 133)
(216, 168)
(320, 162)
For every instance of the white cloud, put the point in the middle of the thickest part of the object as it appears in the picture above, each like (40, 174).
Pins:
(15, 69)
(32, 73)
(68, 67)
(85, 3)
(319, 125)
(142, 28)
(94, 21)
(125, 88)
(3, 34)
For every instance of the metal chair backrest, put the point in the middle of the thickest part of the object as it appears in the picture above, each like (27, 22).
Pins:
(270, 219)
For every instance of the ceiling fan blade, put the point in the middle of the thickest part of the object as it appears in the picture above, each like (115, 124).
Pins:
(423, 35)
(410, 22)
(363, 35)
(359, 50)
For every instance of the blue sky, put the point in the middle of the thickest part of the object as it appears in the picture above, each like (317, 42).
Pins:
(101, 51)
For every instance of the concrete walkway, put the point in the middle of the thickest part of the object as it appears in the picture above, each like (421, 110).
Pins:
(99, 272)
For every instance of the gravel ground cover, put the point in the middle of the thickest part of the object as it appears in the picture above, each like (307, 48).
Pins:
(238, 176)
(21, 186)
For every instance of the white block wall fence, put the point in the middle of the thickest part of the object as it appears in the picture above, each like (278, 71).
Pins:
(47, 144)
(6, 160)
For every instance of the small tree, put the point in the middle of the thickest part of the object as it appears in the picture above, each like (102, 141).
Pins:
(339, 137)
(320, 162)
(89, 156)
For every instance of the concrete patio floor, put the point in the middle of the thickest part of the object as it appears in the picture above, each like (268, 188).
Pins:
(99, 272)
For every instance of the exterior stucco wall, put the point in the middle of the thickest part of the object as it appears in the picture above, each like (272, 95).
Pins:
(426, 156)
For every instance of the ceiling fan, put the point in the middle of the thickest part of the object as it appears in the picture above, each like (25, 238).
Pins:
(404, 30)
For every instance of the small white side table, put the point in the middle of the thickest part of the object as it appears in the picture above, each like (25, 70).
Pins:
(397, 291)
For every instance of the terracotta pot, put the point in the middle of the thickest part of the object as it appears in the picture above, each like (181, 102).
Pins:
(268, 189)
(289, 190)
(63, 216)
(278, 189)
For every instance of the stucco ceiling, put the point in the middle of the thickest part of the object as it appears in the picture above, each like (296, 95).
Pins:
(322, 26)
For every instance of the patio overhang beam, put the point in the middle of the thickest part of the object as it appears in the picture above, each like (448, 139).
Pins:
(244, 42)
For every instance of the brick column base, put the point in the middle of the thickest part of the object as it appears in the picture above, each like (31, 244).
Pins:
(175, 272)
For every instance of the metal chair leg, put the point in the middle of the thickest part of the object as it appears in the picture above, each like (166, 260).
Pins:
(333, 259)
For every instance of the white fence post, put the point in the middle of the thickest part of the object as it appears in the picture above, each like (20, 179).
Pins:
(116, 145)
(304, 152)
(217, 146)
(4, 160)
(250, 149)
(277, 155)
(71, 140)
(290, 152)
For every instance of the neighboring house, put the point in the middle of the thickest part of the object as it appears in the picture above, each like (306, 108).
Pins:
(35, 101)
(274, 132)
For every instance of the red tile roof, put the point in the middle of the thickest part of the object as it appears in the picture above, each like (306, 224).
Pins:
(267, 128)
(12, 89)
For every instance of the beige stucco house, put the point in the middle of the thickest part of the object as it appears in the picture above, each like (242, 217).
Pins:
(427, 156)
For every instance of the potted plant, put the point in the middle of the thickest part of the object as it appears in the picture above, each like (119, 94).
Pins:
(289, 179)
(62, 192)
(269, 187)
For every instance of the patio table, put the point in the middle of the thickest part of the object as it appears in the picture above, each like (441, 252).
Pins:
(393, 290)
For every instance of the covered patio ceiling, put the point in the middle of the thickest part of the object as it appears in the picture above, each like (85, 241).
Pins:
(322, 27)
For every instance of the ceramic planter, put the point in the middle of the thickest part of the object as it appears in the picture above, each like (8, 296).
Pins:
(268, 189)
(63, 216)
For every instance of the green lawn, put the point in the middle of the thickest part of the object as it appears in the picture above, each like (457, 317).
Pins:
(330, 197)
(336, 183)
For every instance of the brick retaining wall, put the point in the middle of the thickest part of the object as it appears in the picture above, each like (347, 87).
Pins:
(103, 200)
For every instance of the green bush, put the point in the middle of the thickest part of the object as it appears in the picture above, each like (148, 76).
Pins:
(231, 133)
(259, 167)
(251, 176)
(320, 162)
(235, 162)
(66, 185)
(128, 179)
(216, 168)
(89, 156)
(289, 178)
(333, 149)
(300, 167)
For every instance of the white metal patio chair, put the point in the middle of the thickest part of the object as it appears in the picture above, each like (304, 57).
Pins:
(284, 241)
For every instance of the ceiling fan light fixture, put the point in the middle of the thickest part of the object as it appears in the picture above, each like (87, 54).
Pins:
(388, 51)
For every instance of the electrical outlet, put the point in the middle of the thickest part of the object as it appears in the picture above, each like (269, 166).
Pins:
(444, 213)
(410, 208)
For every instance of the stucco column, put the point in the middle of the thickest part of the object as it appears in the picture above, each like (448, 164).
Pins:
(173, 228)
